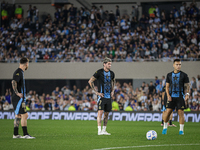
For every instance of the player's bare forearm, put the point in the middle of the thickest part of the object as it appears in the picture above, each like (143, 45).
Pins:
(91, 83)
(167, 89)
(113, 85)
(163, 95)
(187, 85)
(14, 86)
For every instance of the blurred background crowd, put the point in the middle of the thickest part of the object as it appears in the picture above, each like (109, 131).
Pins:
(83, 35)
(147, 97)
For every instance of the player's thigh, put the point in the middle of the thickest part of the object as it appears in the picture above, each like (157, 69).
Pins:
(24, 115)
(101, 104)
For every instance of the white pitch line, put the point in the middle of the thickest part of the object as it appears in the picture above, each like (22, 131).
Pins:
(145, 146)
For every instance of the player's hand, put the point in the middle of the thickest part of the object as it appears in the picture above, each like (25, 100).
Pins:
(100, 94)
(112, 93)
(169, 98)
(20, 95)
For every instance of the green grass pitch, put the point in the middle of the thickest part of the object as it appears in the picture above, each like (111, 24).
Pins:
(82, 135)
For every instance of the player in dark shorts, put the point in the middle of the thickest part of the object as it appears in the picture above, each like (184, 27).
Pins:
(106, 82)
(19, 99)
(175, 83)
(164, 102)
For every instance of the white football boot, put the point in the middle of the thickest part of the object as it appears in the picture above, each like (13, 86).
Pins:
(17, 136)
(28, 137)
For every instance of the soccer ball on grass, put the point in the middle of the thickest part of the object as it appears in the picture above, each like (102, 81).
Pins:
(151, 135)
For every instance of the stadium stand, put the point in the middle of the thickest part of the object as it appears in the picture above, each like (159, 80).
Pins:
(82, 35)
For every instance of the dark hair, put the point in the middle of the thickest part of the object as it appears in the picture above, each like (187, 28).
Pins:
(177, 60)
(23, 60)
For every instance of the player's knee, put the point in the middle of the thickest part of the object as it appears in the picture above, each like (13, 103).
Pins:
(100, 112)
(106, 113)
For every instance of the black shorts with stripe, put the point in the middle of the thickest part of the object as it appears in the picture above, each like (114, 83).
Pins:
(19, 105)
(105, 104)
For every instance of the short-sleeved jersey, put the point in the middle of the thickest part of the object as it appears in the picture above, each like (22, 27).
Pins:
(177, 81)
(18, 76)
(104, 80)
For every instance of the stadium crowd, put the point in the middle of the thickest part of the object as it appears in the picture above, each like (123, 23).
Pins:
(82, 35)
(147, 97)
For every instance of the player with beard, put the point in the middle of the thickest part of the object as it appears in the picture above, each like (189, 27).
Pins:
(19, 99)
(106, 82)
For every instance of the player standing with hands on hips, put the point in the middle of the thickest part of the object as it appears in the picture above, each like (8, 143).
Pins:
(175, 83)
(106, 82)
(19, 99)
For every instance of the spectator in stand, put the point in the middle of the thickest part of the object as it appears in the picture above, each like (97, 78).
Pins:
(159, 87)
(8, 96)
(6, 105)
(151, 88)
(48, 105)
(56, 91)
(35, 13)
(152, 12)
(157, 81)
(72, 108)
(117, 12)
(156, 105)
(30, 12)
(1, 103)
(86, 105)
(194, 106)
(163, 81)
(56, 104)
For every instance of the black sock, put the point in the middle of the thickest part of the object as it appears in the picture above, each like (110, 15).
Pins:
(16, 130)
(170, 122)
(24, 128)
(162, 121)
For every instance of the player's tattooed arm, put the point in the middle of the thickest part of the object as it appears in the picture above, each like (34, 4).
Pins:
(91, 83)
(187, 86)
(14, 86)
(113, 87)
(113, 84)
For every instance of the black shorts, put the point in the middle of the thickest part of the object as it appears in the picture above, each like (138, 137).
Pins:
(19, 106)
(177, 102)
(105, 104)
